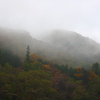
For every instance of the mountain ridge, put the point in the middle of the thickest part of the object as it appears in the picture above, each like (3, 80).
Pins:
(61, 53)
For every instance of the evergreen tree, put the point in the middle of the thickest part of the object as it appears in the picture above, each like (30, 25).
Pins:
(96, 68)
(7, 56)
(27, 59)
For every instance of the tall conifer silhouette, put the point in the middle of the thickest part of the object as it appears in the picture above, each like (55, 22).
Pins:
(27, 59)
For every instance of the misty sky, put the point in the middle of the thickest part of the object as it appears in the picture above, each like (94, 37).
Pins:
(37, 16)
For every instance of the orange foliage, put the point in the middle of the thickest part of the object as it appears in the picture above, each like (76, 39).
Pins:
(92, 75)
(79, 69)
(47, 66)
(78, 75)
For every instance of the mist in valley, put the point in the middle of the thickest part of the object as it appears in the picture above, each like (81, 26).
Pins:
(49, 50)
(58, 46)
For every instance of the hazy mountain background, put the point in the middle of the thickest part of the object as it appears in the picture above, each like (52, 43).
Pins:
(59, 46)
(82, 48)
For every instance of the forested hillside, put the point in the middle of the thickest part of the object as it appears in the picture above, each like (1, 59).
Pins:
(59, 47)
(38, 79)
(82, 48)
(36, 70)
(49, 50)
(17, 41)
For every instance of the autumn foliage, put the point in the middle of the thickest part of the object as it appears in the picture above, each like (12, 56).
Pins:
(44, 80)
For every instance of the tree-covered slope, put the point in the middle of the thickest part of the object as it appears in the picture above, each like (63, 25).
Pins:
(60, 47)
(82, 48)
(17, 41)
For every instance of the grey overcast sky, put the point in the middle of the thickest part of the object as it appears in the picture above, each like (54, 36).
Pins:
(37, 16)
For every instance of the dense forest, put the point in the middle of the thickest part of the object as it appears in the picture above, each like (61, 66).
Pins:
(27, 75)
(37, 79)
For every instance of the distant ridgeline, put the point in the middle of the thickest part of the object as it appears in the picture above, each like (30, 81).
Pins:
(61, 47)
